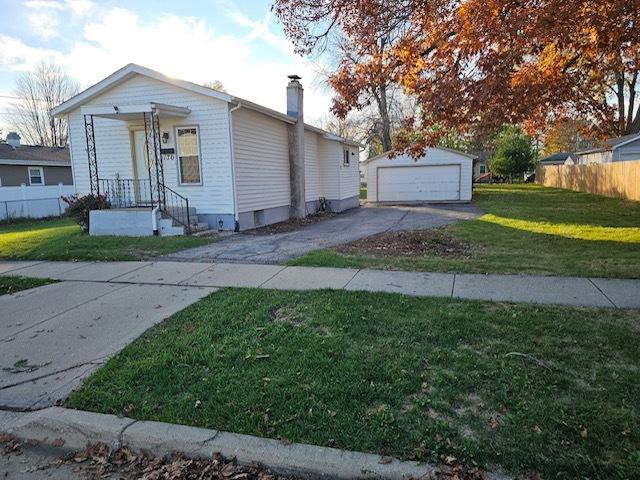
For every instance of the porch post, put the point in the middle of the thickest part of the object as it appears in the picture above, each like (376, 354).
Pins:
(155, 123)
(89, 132)
(147, 129)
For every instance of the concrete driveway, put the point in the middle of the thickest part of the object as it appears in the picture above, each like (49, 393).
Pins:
(54, 336)
(343, 228)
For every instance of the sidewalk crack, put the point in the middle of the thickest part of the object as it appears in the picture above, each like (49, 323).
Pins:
(351, 280)
(603, 294)
(124, 429)
(453, 284)
(284, 267)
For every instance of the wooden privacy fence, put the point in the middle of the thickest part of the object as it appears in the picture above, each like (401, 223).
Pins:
(616, 179)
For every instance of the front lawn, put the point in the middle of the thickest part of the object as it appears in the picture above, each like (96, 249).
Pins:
(62, 239)
(525, 229)
(527, 388)
(9, 285)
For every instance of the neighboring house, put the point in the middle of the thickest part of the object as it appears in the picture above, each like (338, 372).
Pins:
(147, 140)
(480, 168)
(32, 179)
(560, 158)
(614, 150)
(32, 165)
(440, 175)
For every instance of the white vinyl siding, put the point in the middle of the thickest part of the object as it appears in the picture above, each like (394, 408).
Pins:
(350, 174)
(313, 190)
(329, 154)
(261, 152)
(114, 147)
(432, 157)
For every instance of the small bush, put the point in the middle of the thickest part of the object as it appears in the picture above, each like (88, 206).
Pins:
(80, 206)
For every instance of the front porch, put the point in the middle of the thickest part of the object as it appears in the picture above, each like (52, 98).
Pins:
(143, 204)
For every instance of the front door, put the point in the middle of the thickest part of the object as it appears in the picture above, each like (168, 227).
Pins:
(141, 168)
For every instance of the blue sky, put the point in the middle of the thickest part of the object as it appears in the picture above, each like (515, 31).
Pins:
(237, 42)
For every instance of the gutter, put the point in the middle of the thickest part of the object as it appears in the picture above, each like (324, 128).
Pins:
(233, 169)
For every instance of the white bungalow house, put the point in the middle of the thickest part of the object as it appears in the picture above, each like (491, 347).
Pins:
(170, 154)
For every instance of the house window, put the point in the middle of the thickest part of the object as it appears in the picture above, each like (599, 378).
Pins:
(345, 157)
(188, 155)
(36, 176)
(483, 169)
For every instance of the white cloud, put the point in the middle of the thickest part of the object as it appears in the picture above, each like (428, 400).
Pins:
(18, 56)
(182, 47)
(80, 7)
(44, 24)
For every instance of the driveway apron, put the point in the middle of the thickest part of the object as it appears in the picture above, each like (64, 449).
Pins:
(346, 227)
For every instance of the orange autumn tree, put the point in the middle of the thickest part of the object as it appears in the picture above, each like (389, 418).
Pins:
(478, 64)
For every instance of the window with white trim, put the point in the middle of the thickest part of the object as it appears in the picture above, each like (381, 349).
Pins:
(483, 169)
(36, 176)
(345, 157)
(188, 153)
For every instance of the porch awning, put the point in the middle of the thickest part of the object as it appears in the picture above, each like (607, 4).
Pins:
(135, 111)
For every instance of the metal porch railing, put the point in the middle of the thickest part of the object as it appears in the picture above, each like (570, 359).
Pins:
(139, 193)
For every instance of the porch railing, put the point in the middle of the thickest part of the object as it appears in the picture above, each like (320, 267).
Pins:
(127, 192)
(135, 193)
(177, 207)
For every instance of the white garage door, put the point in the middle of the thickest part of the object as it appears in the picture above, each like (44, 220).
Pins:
(419, 183)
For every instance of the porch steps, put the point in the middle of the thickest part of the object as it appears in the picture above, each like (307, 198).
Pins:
(168, 227)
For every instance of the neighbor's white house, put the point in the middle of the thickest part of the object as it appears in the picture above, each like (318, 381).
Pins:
(194, 155)
(440, 175)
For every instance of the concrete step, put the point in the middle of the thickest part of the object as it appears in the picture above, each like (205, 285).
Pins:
(168, 228)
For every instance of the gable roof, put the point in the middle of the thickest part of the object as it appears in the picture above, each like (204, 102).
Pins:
(132, 69)
(559, 157)
(458, 152)
(34, 153)
(613, 143)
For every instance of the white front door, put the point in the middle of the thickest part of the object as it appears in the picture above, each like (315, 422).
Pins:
(140, 163)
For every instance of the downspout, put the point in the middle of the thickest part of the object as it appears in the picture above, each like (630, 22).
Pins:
(233, 169)
(154, 220)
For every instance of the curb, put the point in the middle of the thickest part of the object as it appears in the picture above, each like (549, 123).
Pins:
(71, 430)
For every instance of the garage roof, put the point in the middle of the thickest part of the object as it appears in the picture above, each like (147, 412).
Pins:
(382, 155)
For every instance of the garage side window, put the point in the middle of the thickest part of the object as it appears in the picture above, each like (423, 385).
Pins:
(36, 176)
(345, 157)
(188, 155)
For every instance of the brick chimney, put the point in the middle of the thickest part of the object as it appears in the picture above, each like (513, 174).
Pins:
(295, 98)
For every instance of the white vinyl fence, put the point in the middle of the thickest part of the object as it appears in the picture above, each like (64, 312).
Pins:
(33, 201)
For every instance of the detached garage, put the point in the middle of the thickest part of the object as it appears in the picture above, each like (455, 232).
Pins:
(441, 175)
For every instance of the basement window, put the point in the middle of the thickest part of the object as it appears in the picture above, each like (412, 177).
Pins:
(36, 176)
(188, 150)
(345, 157)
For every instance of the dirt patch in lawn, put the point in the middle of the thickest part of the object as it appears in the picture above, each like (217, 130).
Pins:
(289, 314)
(409, 244)
(291, 224)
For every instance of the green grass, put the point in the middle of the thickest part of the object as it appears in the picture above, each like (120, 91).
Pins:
(547, 389)
(10, 285)
(528, 229)
(62, 239)
(363, 192)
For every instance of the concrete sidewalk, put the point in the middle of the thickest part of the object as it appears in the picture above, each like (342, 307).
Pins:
(586, 292)
(54, 336)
